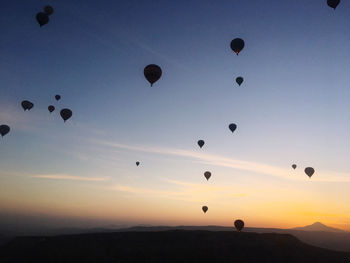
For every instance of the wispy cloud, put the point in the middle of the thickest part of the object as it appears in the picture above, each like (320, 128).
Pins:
(222, 161)
(69, 177)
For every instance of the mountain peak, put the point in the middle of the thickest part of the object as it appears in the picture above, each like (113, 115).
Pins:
(318, 226)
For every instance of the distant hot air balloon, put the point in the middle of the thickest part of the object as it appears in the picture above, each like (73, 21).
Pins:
(51, 108)
(4, 129)
(42, 18)
(207, 175)
(27, 105)
(309, 171)
(57, 97)
(152, 73)
(333, 3)
(294, 166)
(237, 45)
(205, 209)
(137, 163)
(239, 80)
(232, 127)
(200, 143)
(48, 10)
(66, 114)
(239, 224)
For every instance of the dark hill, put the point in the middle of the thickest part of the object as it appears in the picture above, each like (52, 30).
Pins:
(167, 246)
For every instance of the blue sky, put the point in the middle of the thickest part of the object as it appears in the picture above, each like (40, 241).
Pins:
(291, 108)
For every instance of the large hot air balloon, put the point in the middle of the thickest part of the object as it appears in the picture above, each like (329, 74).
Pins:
(57, 97)
(237, 45)
(4, 129)
(48, 10)
(152, 73)
(239, 224)
(232, 127)
(207, 175)
(42, 18)
(51, 108)
(333, 3)
(200, 143)
(66, 114)
(294, 166)
(205, 209)
(239, 80)
(27, 105)
(137, 163)
(309, 171)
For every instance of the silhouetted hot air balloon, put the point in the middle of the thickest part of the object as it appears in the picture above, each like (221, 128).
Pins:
(137, 163)
(294, 166)
(239, 80)
(237, 45)
(205, 209)
(27, 105)
(309, 171)
(42, 18)
(51, 108)
(48, 10)
(207, 175)
(333, 3)
(232, 127)
(57, 97)
(200, 143)
(66, 114)
(152, 73)
(239, 224)
(4, 129)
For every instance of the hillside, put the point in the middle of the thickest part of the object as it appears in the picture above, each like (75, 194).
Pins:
(319, 227)
(167, 246)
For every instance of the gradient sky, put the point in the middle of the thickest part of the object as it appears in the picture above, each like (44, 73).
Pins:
(293, 107)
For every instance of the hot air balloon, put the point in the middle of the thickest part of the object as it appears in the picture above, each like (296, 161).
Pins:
(57, 97)
(237, 45)
(66, 114)
(207, 175)
(232, 127)
(205, 209)
(239, 224)
(333, 3)
(4, 129)
(27, 105)
(152, 73)
(51, 108)
(137, 163)
(309, 171)
(200, 143)
(239, 80)
(294, 166)
(48, 10)
(42, 18)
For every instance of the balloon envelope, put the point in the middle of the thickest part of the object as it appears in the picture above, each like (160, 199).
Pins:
(57, 97)
(137, 163)
(27, 105)
(333, 3)
(205, 209)
(239, 80)
(51, 108)
(4, 129)
(309, 171)
(66, 114)
(237, 45)
(239, 224)
(200, 143)
(48, 10)
(42, 18)
(152, 73)
(207, 175)
(232, 127)
(294, 166)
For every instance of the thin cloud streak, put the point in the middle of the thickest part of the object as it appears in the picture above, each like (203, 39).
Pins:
(217, 160)
(69, 177)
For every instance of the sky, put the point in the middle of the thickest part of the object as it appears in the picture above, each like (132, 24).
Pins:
(292, 108)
